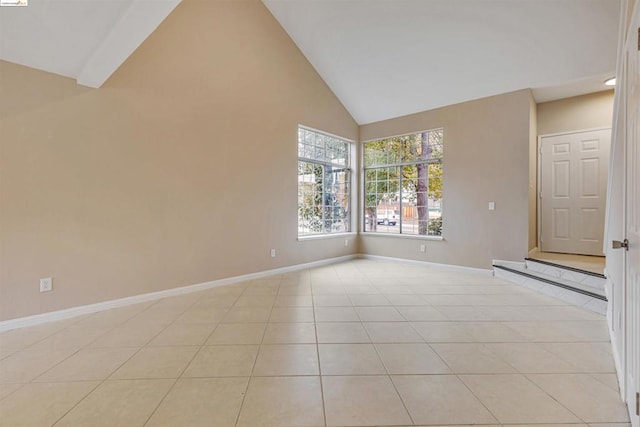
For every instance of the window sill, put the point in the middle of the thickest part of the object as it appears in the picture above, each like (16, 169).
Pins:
(327, 236)
(401, 236)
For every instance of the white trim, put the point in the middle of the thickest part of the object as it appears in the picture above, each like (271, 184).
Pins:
(451, 267)
(402, 236)
(618, 363)
(68, 313)
(326, 236)
(546, 135)
(511, 264)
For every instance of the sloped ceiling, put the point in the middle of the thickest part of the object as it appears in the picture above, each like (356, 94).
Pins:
(388, 58)
(86, 40)
(382, 58)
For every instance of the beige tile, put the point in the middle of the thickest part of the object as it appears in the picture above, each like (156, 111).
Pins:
(156, 362)
(441, 399)
(610, 380)
(129, 335)
(291, 314)
(392, 332)
(290, 333)
(183, 334)
(217, 301)
(462, 313)
(591, 331)
(294, 289)
(118, 403)
(287, 359)
(379, 314)
(342, 332)
(42, 404)
(402, 299)
(530, 358)
(7, 351)
(237, 333)
(25, 365)
(420, 314)
(472, 359)
(349, 359)
(514, 399)
(72, 338)
(114, 316)
(586, 357)
(369, 300)
(261, 290)
(331, 301)
(159, 314)
(330, 289)
(434, 332)
(24, 337)
(198, 314)
(88, 364)
(7, 389)
(255, 301)
(541, 331)
(359, 401)
(223, 361)
(247, 315)
(294, 301)
(589, 399)
(336, 314)
(281, 402)
(201, 402)
(410, 359)
(490, 332)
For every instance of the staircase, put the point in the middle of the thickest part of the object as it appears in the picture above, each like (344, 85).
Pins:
(574, 286)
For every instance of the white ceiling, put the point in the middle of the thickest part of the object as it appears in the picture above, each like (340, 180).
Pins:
(388, 58)
(382, 58)
(83, 39)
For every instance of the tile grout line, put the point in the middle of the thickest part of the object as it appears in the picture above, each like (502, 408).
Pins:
(315, 328)
(255, 361)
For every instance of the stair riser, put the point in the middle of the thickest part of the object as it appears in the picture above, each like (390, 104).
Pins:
(574, 276)
(565, 295)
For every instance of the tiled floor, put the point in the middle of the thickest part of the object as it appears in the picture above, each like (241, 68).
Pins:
(594, 264)
(362, 343)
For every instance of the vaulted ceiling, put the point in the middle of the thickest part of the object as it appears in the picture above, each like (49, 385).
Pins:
(388, 58)
(382, 58)
(83, 39)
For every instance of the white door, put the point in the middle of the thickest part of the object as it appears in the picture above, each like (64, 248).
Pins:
(573, 179)
(633, 219)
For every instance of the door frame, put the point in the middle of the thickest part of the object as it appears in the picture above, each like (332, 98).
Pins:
(539, 175)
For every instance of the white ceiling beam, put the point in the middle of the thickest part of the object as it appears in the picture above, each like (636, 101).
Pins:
(138, 21)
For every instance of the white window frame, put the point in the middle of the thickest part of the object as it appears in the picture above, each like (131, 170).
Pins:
(363, 195)
(352, 189)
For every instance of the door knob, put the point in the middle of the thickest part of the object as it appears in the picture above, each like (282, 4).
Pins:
(617, 244)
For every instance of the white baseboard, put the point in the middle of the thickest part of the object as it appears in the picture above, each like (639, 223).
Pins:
(68, 313)
(450, 267)
(511, 264)
(618, 363)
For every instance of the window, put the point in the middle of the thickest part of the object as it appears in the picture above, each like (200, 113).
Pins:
(323, 183)
(403, 184)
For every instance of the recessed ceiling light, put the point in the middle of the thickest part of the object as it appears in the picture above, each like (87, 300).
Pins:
(610, 82)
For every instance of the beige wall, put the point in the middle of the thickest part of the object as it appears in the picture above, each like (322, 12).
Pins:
(584, 112)
(179, 170)
(486, 158)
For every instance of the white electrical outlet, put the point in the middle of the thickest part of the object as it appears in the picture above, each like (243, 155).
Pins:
(46, 284)
(346, 242)
(273, 253)
(492, 206)
(423, 248)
